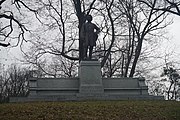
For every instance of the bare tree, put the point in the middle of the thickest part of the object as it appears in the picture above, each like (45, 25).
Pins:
(125, 25)
(173, 78)
(58, 32)
(58, 66)
(12, 26)
(14, 82)
(140, 24)
(140, 28)
(4, 45)
(171, 6)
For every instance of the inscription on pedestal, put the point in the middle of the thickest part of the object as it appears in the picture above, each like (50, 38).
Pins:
(90, 77)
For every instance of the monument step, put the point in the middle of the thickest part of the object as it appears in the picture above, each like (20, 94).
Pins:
(55, 88)
(80, 97)
(134, 97)
(143, 88)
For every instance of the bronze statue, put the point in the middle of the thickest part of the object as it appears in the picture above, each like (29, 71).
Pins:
(89, 35)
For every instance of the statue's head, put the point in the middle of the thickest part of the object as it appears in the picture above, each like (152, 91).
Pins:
(89, 18)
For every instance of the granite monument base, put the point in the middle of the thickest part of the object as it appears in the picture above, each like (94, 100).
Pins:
(89, 85)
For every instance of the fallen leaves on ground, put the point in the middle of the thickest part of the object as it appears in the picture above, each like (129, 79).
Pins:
(91, 110)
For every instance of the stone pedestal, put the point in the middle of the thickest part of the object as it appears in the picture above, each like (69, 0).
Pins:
(90, 78)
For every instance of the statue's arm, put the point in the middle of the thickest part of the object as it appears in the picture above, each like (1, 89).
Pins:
(97, 29)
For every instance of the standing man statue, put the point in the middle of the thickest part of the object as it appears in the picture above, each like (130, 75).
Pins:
(89, 34)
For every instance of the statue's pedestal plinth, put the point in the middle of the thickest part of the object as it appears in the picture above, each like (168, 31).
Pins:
(90, 78)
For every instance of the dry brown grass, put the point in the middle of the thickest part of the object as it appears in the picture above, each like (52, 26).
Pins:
(91, 110)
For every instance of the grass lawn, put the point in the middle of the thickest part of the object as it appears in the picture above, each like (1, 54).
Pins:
(91, 110)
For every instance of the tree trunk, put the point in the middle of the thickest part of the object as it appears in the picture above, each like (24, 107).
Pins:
(137, 54)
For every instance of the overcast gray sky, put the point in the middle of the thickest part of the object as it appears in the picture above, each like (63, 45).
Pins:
(175, 32)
